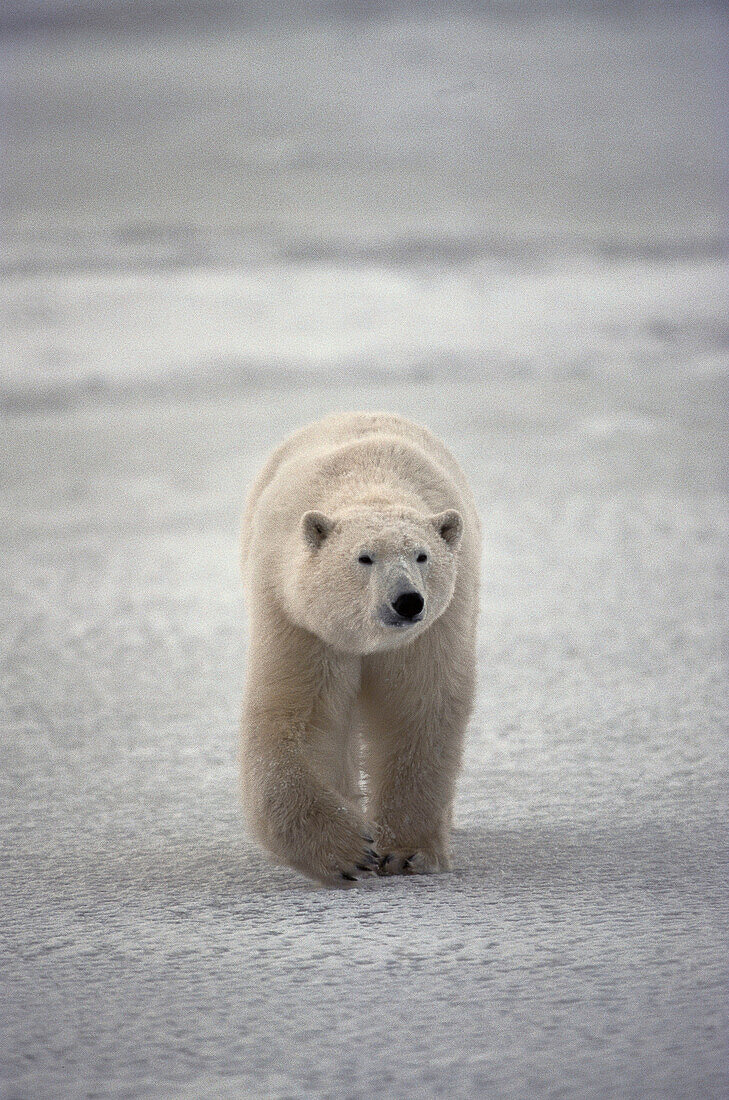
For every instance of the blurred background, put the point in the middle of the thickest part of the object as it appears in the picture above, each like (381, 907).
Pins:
(221, 193)
(508, 221)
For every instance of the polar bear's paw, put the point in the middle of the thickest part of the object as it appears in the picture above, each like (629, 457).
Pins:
(342, 854)
(413, 862)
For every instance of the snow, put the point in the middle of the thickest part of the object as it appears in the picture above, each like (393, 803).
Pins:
(237, 327)
(563, 328)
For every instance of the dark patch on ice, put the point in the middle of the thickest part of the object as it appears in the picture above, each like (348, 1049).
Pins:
(702, 332)
(150, 246)
(457, 250)
(20, 17)
(232, 376)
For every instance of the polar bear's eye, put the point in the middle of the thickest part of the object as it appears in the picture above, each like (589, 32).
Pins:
(364, 559)
(422, 557)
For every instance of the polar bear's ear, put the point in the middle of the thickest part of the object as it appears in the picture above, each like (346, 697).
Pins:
(316, 527)
(449, 526)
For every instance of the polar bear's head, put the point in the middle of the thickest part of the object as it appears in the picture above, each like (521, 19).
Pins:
(372, 578)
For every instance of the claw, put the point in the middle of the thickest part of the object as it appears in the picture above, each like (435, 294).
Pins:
(369, 839)
(348, 877)
(383, 864)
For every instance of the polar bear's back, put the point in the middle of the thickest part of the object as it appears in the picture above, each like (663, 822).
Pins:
(324, 435)
(353, 427)
(348, 435)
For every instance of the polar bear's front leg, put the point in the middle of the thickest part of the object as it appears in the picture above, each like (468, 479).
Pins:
(300, 821)
(412, 790)
(417, 703)
(296, 805)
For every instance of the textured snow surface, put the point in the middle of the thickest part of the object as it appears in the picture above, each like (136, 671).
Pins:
(579, 947)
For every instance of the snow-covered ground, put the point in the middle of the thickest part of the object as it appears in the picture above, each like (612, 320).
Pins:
(507, 227)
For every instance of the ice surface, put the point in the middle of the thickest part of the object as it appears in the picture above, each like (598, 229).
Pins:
(557, 313)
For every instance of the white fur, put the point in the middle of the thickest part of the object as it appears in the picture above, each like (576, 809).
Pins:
(332, 685)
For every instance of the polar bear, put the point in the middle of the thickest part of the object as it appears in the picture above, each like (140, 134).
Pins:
(361, 549)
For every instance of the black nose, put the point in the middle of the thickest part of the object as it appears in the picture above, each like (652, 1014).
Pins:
(408, 605)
